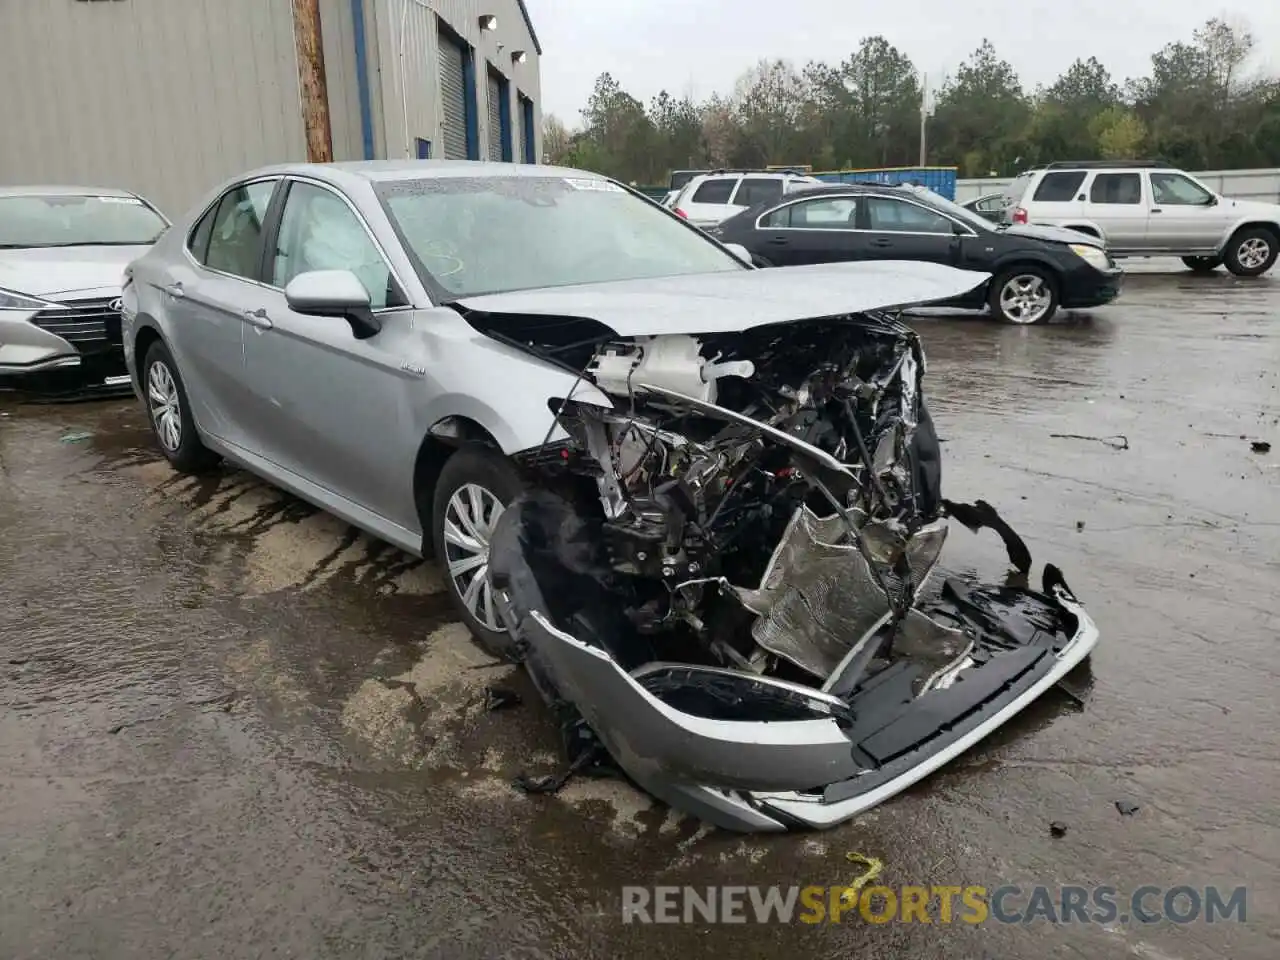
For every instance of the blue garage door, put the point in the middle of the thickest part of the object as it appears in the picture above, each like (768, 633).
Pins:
(526, 130)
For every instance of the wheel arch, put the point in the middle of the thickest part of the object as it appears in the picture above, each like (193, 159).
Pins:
(1270, 226)
(442, 438)
(146, 333)
(1024, 259)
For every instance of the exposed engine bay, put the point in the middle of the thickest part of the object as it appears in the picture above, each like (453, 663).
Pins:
(741, 539)
(739, 474)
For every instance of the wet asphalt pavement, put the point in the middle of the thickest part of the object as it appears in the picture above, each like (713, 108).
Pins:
(232, 727)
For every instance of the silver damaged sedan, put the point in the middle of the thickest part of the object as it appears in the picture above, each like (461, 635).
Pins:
(700, 502)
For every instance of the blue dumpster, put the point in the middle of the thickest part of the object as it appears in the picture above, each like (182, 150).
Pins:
(941, 180)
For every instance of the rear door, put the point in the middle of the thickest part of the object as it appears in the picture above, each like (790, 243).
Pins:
(1185, 217)
(1119, 203)
(899, 229)
(817, 230)
(206, 297)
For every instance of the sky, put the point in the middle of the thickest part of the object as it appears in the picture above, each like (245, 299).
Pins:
(701, 46)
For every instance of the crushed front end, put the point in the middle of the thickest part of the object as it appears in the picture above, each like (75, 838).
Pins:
(720, 576)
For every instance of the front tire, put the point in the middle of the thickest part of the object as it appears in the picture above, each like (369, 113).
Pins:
(475, 486)
(1024, 295)
(169, 413)
(1251, 252)
(1202, 264)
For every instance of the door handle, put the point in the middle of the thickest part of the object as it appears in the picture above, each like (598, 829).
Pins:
(779, 241)
(881, 242)
(175, 290)
(1156, 210)
(258, 318)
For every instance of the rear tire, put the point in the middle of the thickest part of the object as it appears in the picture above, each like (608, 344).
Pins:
(1202, 264)
(475, 486)
(1024, 295)
(1251, 252)
(169, 413)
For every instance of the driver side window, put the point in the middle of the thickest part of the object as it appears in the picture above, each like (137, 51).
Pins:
(1173, 189)
(318, 231)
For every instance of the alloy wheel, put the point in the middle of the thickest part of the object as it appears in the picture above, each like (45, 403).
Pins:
(1025, 298)
(166, 408)
(1253, 253)
(469, 520)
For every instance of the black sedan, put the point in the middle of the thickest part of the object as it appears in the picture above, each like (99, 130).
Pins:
(1035, 269)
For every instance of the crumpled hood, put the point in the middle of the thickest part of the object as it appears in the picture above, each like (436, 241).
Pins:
(738, 300)
(1040, 231)
(52, 271)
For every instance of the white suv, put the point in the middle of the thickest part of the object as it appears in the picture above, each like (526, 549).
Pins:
(1150, 209)
(711, 198)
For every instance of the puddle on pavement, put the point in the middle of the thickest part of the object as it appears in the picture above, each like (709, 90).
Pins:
(290, 544)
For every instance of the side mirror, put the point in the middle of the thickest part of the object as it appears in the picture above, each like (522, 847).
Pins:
(741, 252)
(1212, 201)
(334, 293)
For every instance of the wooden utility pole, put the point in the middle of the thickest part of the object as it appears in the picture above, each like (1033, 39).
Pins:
(311, 80)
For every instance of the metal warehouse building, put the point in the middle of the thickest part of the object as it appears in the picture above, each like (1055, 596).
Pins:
(169, 97)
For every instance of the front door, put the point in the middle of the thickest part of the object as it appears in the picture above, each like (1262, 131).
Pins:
(896, 229)
(333, 409)
(1185, 217)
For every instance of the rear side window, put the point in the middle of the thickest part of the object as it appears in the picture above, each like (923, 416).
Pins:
(714, 191)
(825, 213)
(1059, 187)
(198, 242)
(235, 243)
(758, 190)
(1123, 188)
(680, 179)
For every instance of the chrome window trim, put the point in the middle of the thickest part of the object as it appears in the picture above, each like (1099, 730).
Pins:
(195, 224)
(310, 181)
(969, 231)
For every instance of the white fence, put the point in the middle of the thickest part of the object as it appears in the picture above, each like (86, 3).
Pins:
(1240, 184)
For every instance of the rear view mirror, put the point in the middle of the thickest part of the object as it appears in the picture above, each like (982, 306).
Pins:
(333, 293)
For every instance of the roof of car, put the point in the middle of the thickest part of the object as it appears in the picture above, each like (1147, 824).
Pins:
(820, 188)
(378, 170)
(53, 190)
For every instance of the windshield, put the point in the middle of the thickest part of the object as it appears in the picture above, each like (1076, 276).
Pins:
(477, 235)
(38, 220)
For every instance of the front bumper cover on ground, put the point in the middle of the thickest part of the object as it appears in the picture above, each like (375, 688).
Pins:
(754, 753)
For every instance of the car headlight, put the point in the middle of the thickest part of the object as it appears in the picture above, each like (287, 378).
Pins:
(1096, 257)
(12, 300)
